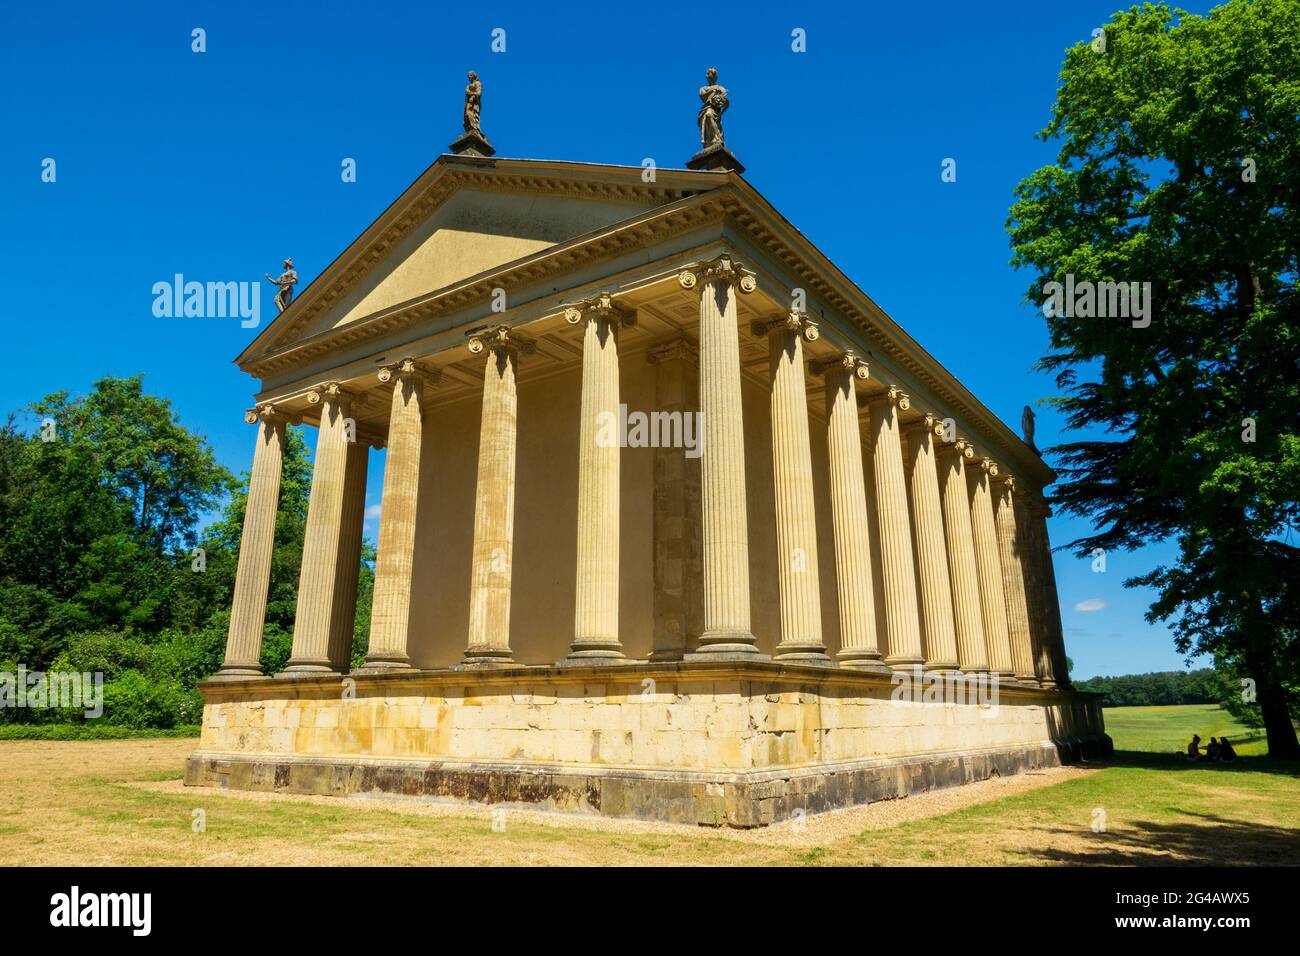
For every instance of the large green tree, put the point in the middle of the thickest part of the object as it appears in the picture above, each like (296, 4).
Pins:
(98, 505)
(101, 508)
(1179, 166)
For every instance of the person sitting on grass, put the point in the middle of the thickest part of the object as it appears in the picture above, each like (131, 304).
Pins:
(1225, 750)
(1194, 748)
(1212, 751)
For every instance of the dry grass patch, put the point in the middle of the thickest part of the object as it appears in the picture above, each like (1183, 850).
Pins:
(122, 802)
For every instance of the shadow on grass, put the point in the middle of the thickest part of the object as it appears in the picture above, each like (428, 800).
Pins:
(1206, 840)
(1147, 760)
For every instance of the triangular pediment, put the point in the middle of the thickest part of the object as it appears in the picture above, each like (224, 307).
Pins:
(464, 217)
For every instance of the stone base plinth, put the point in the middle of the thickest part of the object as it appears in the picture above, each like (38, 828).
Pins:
(738, 744)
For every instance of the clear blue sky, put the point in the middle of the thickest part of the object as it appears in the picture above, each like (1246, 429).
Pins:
(219, 164)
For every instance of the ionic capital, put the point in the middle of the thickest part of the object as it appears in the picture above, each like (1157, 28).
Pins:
(990, 466)
(898, 398)
(722, 269)
(603, 305)
(499, 338)
(336, 392)
(791, 322)
(265, 412)
(850, 362)
(409, 368)
(929, 422)
(959, 447)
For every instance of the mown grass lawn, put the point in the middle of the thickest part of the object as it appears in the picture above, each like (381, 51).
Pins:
(102, 802)
(1166, 730)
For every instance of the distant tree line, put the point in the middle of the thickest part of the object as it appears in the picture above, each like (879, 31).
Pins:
(1160, 688)
(1223, 684)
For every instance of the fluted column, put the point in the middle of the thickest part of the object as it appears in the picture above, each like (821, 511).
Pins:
(1050, 666)
(972, 652)
(859, 645)
(390, 614)
(678, 541)
(256, 545)
(494, 504)
(727, 629)
(318, 577)
(344, 614)
(792, 482)
(1011, 550)
(989, 567)
(595, 633)
(939, 638)
(1033, 582)
(902, 622)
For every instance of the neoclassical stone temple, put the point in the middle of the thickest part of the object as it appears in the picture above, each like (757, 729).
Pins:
(676, 522)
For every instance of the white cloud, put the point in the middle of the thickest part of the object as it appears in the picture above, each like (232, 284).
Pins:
(1092, 604)
(372, 511)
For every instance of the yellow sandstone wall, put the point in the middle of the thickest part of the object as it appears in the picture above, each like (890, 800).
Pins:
(680, 723)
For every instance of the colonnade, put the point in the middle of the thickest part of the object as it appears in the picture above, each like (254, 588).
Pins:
(966, 570)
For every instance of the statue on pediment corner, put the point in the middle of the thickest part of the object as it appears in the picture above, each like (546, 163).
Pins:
(1027, 427)
(287, 280)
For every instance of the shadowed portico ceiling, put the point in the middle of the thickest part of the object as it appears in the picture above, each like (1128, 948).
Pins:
(678, 201)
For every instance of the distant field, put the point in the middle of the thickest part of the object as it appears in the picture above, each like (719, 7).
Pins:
(121, 802)
(1164, 730)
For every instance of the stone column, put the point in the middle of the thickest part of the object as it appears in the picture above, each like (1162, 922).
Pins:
(939, 638)
(792, 483)
(344, 614)
(1051, 666)
(390, 615)
(727, 629)
(859, 646)
(972, 652)
(494, 503)
(1011, 548)
(902, 623)
(256, 545)
(987, 563)
(595, 633)
(678, 543)
(318, 578)
(1033, 585)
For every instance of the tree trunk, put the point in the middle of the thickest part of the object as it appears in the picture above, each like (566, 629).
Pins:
(1282, 742)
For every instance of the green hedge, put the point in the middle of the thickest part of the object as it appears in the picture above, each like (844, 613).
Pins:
(91, 731)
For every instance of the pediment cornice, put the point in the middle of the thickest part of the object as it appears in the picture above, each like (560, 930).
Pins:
(655, 226)
(433, 188)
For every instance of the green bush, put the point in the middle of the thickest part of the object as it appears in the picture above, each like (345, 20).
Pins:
(136, 700)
